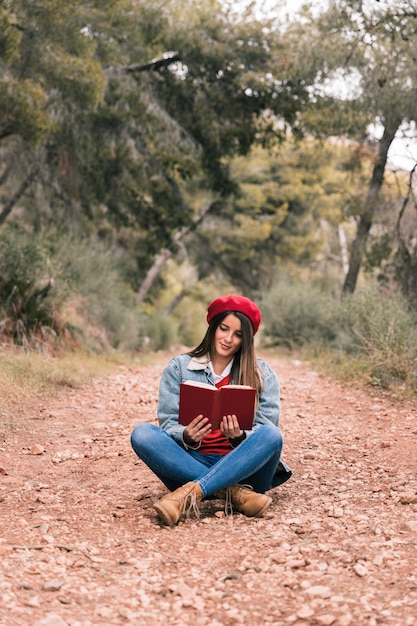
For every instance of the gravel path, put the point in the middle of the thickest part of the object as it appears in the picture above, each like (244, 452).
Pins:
(80, 544)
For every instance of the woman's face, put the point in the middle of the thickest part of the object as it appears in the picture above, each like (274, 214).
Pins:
(228, 337)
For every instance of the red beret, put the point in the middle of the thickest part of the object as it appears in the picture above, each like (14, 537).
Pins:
(235, 303)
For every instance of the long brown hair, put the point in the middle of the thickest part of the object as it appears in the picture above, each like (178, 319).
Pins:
(244, 369)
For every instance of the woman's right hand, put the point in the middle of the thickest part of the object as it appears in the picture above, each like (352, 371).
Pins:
(197, 429)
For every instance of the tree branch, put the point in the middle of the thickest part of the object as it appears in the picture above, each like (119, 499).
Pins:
(8, 207)
(409, 195)
(166, 253)
(152, 66)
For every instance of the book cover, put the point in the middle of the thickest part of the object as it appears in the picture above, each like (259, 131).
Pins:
(202, 398)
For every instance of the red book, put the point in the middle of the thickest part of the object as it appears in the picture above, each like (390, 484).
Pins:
(202, 398)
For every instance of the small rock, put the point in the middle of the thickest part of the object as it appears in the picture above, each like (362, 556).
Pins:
(37, 449)
(296, 563)
(360, 569)
(310, 456)
(305, 612)
(53, 585)
(51, 620)
(319, 591)
(407, 497)
(325, 620)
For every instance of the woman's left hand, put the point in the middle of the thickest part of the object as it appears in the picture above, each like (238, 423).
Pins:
(230, 427)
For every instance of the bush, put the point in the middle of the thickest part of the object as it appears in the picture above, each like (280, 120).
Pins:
(295, 314)
(103, 304)
(376, 331)
(381, 328)
(158, 331)
(61, 287)
(27, 304)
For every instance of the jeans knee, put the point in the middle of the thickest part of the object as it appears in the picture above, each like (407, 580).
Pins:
(274, 436)
(142, 436)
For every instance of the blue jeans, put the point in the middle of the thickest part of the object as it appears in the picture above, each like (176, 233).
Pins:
(253, 462)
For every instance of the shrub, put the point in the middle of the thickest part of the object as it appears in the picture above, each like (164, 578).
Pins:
(93, 278)
(53, 285)
(27, 305)
(381, 328)
(376, 331)
(158, 331)
(295, 314)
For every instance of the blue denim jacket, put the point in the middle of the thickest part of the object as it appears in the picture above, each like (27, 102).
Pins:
(184, 367)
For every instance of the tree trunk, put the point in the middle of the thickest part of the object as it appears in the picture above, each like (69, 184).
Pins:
(175, 302)
(343, 249)
(366, 217)
(8, 207)
(166, 253)
(405, 261)
(153, 273)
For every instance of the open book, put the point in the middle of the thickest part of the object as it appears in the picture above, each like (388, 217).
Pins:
(202, 398)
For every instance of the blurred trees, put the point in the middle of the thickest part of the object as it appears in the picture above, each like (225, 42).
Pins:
(367, 78)
(127, 102)
(141, 122)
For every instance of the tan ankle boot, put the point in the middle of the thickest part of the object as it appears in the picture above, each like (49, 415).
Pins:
(244, 500)
(182, 500)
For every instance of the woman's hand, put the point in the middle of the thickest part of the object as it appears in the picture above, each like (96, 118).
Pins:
(197, 430)
(230, 427)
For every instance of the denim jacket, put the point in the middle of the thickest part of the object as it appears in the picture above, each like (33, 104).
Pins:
(184, 367)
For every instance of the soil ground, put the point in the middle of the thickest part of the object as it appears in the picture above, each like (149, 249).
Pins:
(80, 544)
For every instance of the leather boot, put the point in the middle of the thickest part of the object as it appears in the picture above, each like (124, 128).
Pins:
(244, 500)
(183, 500)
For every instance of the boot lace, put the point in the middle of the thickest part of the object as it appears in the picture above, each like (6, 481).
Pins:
(228, 503)
(190, 506)
(228, 500)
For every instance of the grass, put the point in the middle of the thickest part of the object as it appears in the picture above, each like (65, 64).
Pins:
(33, 372)
(24, 374)
(29, 376)
(361, 369)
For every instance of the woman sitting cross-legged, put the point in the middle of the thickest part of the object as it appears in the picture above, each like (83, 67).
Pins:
(195, 461)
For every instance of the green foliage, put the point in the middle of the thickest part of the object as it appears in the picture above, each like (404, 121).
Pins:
(289, 209)
(9, 35)
(23, 110)
(158, 331)
(66, 288)
(370, 331)
(121, 137)
(26, 303)
(295, 314)
(140, 114)
(102, 304)
(381, 328)
(47, 67)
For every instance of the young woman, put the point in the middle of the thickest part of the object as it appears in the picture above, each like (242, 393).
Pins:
(195, 462)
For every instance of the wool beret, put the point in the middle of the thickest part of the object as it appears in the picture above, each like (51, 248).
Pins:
(235, 303)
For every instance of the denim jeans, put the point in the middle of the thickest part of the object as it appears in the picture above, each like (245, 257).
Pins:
(253, 462)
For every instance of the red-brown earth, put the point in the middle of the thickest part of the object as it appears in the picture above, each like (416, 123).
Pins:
(80, 544)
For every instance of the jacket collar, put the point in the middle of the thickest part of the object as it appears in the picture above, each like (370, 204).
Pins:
(199, 362)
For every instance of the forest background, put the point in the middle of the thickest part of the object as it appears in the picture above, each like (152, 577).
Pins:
(154, 155)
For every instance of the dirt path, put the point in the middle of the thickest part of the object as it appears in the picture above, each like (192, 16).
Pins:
(80, 544)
